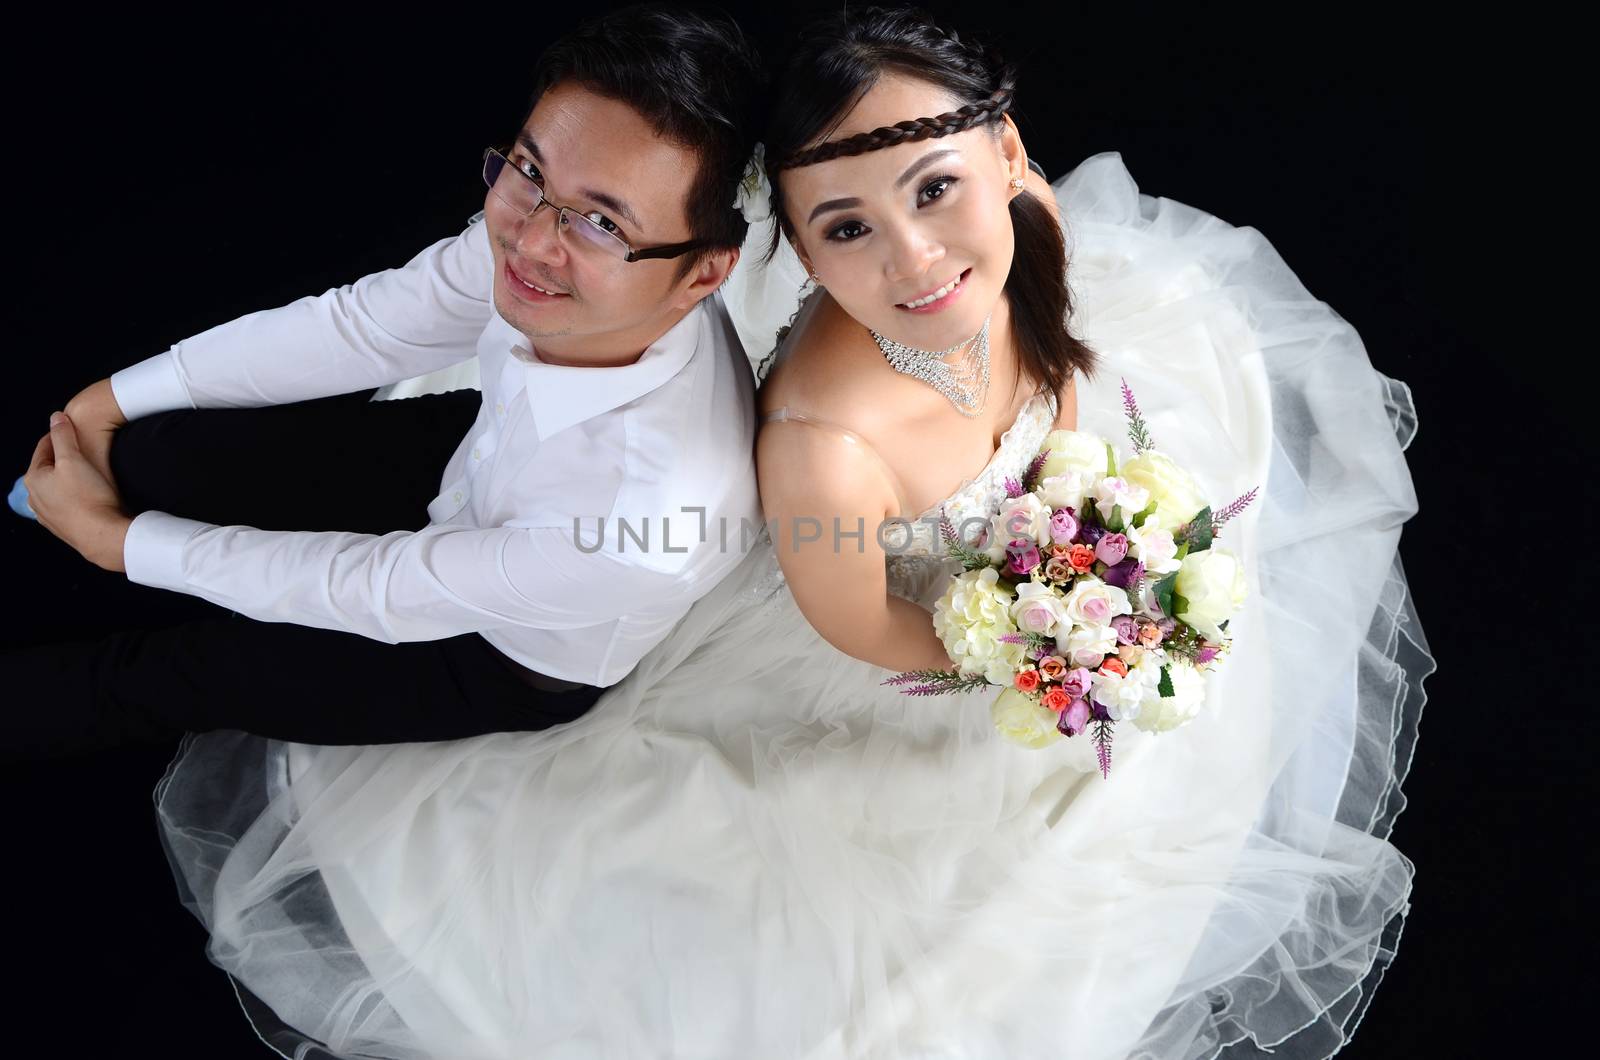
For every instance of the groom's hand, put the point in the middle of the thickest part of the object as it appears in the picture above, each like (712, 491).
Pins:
(74, 500)
(96, 416)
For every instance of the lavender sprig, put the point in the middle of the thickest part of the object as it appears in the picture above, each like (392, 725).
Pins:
(1102, 746)
(1030, 477)
(1013, 488)
(1138, 431)
(958, 550)
(937, 682)
(1233, 508)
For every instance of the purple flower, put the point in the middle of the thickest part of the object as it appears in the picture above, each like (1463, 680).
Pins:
(1127, 629)
(1077, 682)
(1074, 718)
(1024, 556)
(1111, 549)
(1063, 526)
(1167, 625)
(1089, 534)
(1124, 574)
(1206, 654)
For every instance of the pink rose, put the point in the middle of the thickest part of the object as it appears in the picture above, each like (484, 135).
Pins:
(1076, 683)
(1097, 609)
(1111, 549)
(1024, 556)
(1074, 718)
(1063, 526)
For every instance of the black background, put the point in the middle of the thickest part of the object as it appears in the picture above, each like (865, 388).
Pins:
(169, 177)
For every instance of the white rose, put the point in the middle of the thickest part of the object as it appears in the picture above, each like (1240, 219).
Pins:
(1024, 517)
(1073, 451)
(753, 198)
(1094, 603)
(971, 617)
(1085, 645)
(1160, 713)
(1065, 490)
(1152, 545)
(1022, 719)
(1173, 489)
(1121, 696)
(1212, 582)
(1038, 609)
(1120, 492)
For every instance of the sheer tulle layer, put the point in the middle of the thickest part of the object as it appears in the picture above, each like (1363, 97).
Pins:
(750, 848)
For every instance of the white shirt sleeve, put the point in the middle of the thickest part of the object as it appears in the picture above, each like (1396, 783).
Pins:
(388, 326)
(428, 584)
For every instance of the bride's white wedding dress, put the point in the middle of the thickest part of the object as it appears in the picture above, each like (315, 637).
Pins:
(750, 848)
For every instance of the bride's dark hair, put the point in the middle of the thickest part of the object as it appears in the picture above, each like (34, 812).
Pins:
(837, 61)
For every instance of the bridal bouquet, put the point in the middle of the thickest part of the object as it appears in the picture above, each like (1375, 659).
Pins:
(1096, 594)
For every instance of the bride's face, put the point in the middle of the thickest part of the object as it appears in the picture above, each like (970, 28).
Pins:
(915, 240)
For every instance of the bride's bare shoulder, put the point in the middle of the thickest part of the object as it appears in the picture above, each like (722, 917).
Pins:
(827, 370)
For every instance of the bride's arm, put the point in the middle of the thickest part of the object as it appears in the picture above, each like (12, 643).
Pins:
(812, 481)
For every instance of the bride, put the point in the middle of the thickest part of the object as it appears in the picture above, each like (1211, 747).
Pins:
(750, 847)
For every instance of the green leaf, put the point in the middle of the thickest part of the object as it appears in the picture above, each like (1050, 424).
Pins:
(1179, 604)
(1200, 530)
(1183, 550)
(1111, 460)
(1114, 524)
(1149, 510)
(1164, 688)
(1165, 590)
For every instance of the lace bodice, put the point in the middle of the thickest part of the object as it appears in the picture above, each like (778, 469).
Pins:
(917, 566)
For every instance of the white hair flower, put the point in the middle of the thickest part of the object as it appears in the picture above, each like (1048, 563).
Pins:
(754, 199)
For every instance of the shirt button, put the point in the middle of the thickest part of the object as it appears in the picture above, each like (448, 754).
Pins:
(456, 496)
(477, 454)
(499, 409)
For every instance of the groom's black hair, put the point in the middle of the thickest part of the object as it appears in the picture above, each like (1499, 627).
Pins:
(696, 79)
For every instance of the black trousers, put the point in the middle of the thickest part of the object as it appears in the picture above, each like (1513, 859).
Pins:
(342, 463)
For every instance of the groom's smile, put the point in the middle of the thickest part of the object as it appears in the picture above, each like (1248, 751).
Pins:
(587, 181)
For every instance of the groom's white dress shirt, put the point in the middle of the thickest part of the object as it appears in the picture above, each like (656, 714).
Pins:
(499, 556)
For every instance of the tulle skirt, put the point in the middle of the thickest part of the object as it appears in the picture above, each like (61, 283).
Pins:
(751, 848)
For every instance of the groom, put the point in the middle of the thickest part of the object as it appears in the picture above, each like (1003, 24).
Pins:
(614, 392)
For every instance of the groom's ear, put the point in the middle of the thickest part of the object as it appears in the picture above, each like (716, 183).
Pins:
(706, 276)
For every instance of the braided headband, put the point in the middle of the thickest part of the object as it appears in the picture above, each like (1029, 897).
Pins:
(905, 132)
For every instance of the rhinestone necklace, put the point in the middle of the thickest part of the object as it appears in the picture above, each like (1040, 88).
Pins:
(965, 383)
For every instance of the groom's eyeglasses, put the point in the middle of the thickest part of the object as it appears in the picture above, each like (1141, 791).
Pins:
(522, 193)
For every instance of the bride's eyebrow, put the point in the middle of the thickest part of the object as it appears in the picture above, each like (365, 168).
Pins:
(905, 178)
(923, 163)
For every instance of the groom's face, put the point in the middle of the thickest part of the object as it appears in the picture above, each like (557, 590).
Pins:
(576, 302)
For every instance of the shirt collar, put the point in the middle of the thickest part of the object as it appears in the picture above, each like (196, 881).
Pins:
(562, 396)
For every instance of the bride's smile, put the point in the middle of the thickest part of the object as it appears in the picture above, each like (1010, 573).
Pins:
(891, 228)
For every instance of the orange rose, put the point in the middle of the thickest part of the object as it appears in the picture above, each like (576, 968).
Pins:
(1052, 667)
(1057, 700)
(1114, 665)
(1028, 680)
(1081, 557)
